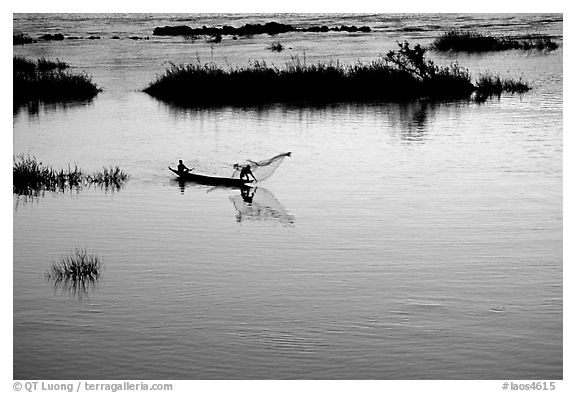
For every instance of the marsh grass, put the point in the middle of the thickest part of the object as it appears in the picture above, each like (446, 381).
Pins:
(109, 178)
(23, 65)
(473, 41)
(491, 84)
(76, 272)
(402, 74)
(49, 81)
(44, 65)
(31, 177)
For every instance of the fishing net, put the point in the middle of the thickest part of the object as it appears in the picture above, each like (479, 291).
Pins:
(262, 170)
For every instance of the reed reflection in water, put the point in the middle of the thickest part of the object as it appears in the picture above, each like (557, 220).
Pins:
(412, 117)
(33, 108)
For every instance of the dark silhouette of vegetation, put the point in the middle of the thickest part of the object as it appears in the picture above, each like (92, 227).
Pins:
(35, 107)
(52, 37)
(215, 39)
(490, 84)
(276, 47)
(76, 266)
(76, 272)
(401, 74)
(48, 81)
(21, 39)
(112, 177)
(472, 41)
(43, 65)
(31, 177)
(271, 28)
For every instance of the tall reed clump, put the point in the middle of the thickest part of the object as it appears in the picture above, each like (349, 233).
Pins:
(401, 74)
(473, 41)
(31, 176)
(49, 81)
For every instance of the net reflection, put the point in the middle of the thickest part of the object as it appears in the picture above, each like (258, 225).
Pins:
(259, 204)
(251, 203)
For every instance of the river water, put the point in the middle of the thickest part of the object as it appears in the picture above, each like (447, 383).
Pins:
(411, 240)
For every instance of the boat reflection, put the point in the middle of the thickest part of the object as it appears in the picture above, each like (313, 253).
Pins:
(259, 204)
(251, 203)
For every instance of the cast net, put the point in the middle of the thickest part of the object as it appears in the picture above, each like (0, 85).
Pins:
(262, 170)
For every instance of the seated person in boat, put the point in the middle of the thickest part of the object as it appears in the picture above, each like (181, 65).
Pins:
(183, 168)
(246, 172)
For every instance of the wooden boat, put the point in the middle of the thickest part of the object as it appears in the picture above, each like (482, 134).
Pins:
(211, 180)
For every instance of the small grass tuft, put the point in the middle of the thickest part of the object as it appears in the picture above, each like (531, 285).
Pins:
(76, 272)
(76, 266)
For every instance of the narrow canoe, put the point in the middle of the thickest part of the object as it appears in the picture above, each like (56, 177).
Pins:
(211, 180)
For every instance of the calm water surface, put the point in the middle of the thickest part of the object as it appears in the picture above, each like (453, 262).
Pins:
(401, 241)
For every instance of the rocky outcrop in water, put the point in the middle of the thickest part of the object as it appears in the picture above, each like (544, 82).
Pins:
(271, 28)
(52, 37)
(21, 39)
